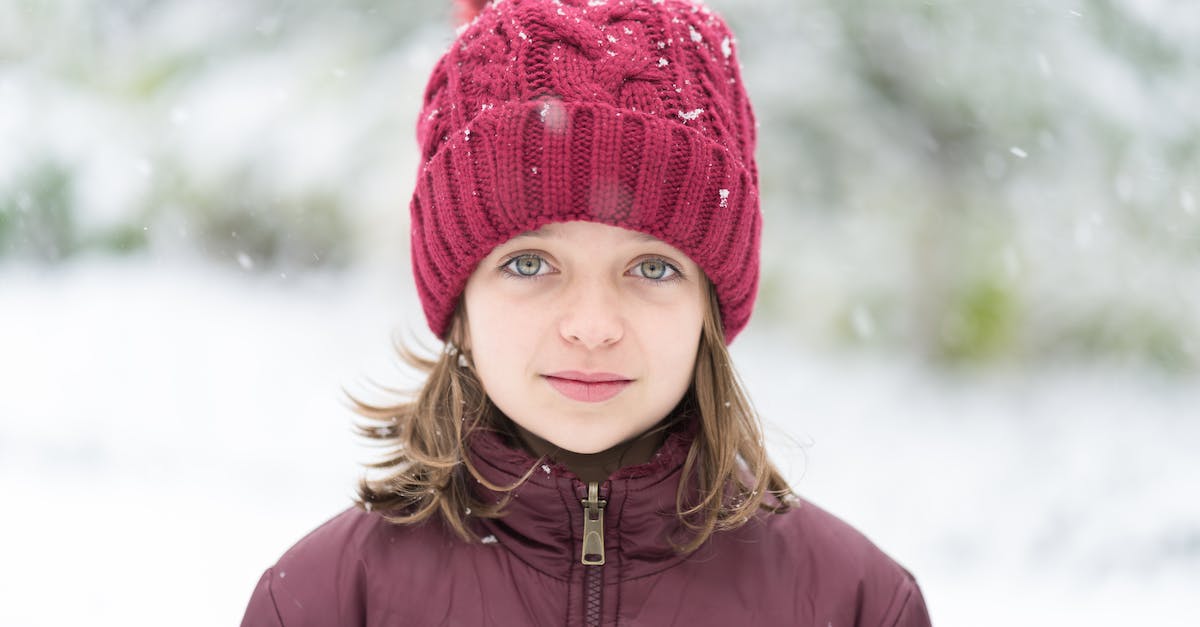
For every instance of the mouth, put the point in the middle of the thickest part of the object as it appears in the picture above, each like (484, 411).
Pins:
(589, 377)
(585, 391)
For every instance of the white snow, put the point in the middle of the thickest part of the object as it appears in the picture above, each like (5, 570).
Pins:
(171, 429)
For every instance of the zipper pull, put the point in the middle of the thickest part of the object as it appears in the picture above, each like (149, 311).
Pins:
(593, 526)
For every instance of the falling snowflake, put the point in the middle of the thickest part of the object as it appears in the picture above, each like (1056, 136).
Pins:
(488, 539)
(662, 61)
(545, 469)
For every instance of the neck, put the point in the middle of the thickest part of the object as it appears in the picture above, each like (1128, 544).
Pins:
(599, 466)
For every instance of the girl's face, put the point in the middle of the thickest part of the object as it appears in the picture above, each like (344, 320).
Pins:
(587, 297)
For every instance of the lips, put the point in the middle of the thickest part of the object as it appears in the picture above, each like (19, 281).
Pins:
(603, 386)
(589, 377)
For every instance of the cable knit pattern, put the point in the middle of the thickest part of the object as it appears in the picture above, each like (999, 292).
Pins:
(627, 112)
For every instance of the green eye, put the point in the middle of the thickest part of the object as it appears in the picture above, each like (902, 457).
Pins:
(653, 269)
(528, 265)
(656, 271)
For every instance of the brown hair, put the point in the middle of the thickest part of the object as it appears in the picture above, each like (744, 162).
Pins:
(430, 472)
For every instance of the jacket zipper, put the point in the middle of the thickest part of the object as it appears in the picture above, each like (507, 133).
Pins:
(592, 556)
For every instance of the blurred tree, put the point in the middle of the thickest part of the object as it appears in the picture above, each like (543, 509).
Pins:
(970, 182)
(36, 218)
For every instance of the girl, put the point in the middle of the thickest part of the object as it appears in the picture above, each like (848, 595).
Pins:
(585, 238)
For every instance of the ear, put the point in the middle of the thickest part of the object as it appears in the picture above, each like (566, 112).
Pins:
(468, 9)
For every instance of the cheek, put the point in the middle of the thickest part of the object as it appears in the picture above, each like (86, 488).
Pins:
(502, 333)
(675, 336)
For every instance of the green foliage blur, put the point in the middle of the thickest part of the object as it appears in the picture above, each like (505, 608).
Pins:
(976, 184)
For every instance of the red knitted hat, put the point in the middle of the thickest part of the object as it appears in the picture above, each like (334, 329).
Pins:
(627, 112)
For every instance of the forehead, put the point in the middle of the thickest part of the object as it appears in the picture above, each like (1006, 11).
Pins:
(547, 231)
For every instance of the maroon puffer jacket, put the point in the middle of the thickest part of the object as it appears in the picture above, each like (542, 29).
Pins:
(803, 567)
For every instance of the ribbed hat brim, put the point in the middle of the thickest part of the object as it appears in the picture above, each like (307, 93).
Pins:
(520, 165)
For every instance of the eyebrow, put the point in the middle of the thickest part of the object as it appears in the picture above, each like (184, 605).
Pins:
(641, 237)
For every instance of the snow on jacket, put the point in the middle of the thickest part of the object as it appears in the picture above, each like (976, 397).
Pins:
(802, 567)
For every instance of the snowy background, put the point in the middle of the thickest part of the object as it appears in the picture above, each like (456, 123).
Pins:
(976, 340)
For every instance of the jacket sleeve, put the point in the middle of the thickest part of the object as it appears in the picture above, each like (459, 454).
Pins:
(262, 612)
(910, 606)
(319, 582)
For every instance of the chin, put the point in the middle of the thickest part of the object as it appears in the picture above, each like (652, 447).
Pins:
(581, 442)
(584, 450)
(588, 446)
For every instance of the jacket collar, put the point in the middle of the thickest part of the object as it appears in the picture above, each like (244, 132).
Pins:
(543, 521)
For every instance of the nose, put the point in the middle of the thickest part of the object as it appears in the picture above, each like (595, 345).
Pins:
(592, 315)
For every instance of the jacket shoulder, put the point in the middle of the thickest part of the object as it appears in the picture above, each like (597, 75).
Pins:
(844, 566)
(322, 579)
